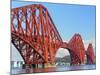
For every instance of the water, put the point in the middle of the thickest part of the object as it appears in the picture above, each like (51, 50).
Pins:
(52, 69)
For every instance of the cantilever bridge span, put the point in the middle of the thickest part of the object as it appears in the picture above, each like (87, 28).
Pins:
(36, 38)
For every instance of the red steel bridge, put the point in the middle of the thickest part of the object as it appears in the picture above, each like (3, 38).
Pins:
(36, 38)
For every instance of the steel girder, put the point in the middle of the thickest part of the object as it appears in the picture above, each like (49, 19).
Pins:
(34, 26)
(90, 54)
(35, 36)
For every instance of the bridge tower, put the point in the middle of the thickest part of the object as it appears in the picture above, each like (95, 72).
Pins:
(90, 55)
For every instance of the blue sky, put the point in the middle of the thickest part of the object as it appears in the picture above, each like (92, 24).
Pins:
(69, 18)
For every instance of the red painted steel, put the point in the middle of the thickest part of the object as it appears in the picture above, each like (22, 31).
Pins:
(35, 36)
(90, 55)
(76, 49)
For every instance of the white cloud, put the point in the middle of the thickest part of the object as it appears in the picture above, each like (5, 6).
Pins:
(86, 43)
(15, 55)
(62, 52)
